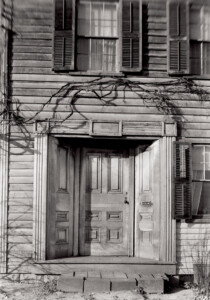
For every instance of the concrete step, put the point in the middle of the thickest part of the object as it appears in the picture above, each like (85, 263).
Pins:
(95, 281)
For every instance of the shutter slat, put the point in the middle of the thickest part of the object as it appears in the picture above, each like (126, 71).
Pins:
(178, 40)
(182, 172)
(131, 35)
(64, 35)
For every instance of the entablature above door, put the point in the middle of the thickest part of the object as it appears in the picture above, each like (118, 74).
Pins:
(106, 128)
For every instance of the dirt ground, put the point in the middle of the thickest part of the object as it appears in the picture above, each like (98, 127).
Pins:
(18, 291)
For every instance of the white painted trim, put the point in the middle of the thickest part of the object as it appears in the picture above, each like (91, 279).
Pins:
(40, 195)
(168, 226)
(4, 158)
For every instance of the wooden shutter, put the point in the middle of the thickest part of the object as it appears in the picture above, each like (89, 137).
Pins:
(64, 35)
(183, 179)
(60, 200)
(131, 35)
(178, 39)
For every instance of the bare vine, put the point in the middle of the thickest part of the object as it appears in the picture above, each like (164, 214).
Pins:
(105, 90)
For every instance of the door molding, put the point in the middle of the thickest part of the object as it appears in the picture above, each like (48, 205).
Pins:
(40, 196)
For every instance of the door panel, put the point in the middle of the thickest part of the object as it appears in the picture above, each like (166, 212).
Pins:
(147, 212)
(60, 200)
(104, 215)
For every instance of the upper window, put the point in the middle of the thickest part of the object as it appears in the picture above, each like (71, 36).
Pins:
(199, 40)
(189, 38)
(97, 35)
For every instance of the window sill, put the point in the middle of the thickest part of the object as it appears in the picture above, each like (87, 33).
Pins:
(205, 219)
(94, 74)
(204, 77)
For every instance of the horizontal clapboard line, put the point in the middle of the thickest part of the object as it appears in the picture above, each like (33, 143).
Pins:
(17, 41)
(36, 36)
(203, 111)
(20, 216)
(20, 224)
(20, 231)
(23, 180)
(35, 49)
(20, 209)
(32, 56)
(20, 239)
(28, 70)
(21, 173)
(31, 63)
(129, 103)
(32, 28)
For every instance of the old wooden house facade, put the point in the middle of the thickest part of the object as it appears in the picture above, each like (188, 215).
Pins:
(105, 126)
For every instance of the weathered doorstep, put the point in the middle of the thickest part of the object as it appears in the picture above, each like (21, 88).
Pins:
(95, 281)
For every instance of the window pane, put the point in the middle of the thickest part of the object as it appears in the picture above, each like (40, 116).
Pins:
(83, 50)
(206, 24)
(195, 22)
(109, 55)
(204, 206)
(195, 58)
(83, 27)
(97, 19)
(206, 58)
(110, 20)
(96, 54)
(198, 162)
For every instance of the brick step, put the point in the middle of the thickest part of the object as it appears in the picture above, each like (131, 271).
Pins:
(95, 281)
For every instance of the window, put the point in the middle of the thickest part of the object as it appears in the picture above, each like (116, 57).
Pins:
(192, 180)
(97, 35)
(201, 180)
(189, 38)
(199, 40)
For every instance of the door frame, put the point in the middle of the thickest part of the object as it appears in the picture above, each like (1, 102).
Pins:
(168, 224)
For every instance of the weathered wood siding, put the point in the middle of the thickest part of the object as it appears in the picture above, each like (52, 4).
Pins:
(32, 84)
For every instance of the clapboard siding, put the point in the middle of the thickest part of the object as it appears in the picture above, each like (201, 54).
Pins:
(33, 82)
(193, 240)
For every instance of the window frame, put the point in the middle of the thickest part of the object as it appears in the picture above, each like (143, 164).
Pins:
(202, 215)
(201, 41)
(91, 37)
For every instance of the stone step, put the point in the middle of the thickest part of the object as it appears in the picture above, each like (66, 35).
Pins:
(95, 281)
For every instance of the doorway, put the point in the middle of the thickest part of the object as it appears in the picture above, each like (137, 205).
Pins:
(103, 198)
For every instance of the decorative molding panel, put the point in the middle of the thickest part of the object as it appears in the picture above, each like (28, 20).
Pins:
(40, 195)
(169, 129)
(105, 128)
(4, 161)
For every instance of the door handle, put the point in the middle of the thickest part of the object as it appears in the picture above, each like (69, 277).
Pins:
(126, 199)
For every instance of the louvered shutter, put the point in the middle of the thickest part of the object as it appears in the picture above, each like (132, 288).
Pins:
(178, 39)
(131, 36)
(183, 179)
(64, 35)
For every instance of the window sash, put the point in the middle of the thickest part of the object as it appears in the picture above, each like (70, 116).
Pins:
(97, 19)
(96, 54)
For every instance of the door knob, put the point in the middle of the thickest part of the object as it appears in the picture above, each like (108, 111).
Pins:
(126, 199)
